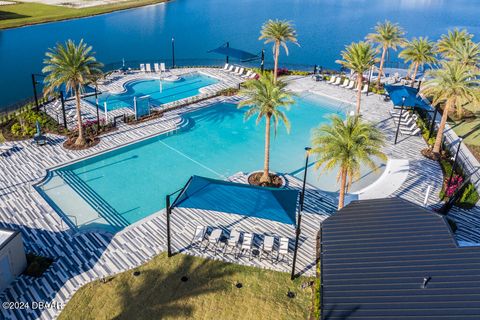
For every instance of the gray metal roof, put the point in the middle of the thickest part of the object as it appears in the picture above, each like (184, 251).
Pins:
(376, 254)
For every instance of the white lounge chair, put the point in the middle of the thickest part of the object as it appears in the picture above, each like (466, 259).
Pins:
(337, 81)
(156, 67)
(230, 69)
(162, 67)
(240, 72)
(332, 79)
(236, 70)
(345, 83)
(226, 66)
(142, 67)
(283, 250)
(213, 239)
(410, 132)
(232, 242)
(350, 85)
(268, 246)
(248, 74)
(148, 67)
(365, 88)
(199, 236)
(253, 75)
(247, 244)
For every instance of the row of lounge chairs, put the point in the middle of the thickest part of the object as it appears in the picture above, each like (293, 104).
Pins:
(239, 71)
(146, 67)
(408, 122)
(347, 83)
(240, 244)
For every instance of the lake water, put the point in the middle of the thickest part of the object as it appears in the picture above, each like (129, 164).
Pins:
(324, 27)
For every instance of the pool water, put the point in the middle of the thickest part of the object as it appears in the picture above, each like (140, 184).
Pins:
(118, 188)
(157, 91)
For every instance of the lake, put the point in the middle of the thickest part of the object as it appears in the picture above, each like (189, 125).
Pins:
(142, 34)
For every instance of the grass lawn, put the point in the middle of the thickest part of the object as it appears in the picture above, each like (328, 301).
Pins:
(209, 293)
(470, 129)
(21, 14)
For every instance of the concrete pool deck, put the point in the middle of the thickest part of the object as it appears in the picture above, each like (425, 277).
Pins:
(84, 257)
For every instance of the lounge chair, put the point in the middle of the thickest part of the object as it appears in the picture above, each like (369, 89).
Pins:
(199, 236)
(142, 67)
(236, 70)
(240, 72)
(156, 67)
(283, 249)
(226, 66)
(350, 85)
(365, 88)
(267, 246)
(337, 81)
(332, 79)
(345, 83)
(232, 243)
(410, 132)
(214, 239)
(253, 76)
(248, 74)
(4, 149)
(247, 244)
(411, 127)
(230, 69)
(162, 67)
(148, 67)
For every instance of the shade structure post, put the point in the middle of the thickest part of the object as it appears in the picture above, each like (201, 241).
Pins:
(96, 106)
(228, 46)
(62, 100)
(169, 211)
(34, 84)
(262, 63)
(173, 52)
(454, 166)
(399, 120)
(432, 125)
(297, 239)
(302, 195)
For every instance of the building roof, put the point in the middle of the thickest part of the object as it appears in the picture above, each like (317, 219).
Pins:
(239, 198)
(5, 236)
(376, 255)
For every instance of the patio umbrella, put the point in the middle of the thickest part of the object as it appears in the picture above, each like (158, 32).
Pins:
(412, 98)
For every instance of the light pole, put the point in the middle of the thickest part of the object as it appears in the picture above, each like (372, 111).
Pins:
(34, 83)
(262, 64)
(454, 166)
(399, 120)
(96, 105)
(302, 195)
(173, 52)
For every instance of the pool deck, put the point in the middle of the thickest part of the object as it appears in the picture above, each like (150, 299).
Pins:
(83, 257)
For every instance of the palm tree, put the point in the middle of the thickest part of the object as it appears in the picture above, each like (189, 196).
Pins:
(358, 57)
(387, 35)
(453, 84)
(346, 145)
(419, 51)
(72, 66)
(266, 99)
(467, 53)
(448, 43)
(279, 32)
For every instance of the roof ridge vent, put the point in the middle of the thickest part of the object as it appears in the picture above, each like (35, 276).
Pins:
(426, 280)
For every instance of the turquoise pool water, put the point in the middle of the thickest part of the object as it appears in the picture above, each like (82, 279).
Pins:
(118, 188)
(158, 91)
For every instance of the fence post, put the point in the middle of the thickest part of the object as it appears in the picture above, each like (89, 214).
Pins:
(62, 99)
(34, 84)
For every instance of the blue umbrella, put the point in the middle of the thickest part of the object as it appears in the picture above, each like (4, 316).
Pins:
(411, 96)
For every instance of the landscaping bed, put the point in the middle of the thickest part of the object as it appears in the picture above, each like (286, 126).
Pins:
(23, 125)
(156, 291)
(276, 180)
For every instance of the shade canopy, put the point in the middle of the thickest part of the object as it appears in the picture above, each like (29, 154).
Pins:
(412, 98)
(238, 198)
(235, 53)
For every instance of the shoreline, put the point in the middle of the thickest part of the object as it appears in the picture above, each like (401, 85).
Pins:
(71, 13)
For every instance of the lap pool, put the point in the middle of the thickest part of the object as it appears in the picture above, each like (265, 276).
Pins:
(158, 91)
(118, 188)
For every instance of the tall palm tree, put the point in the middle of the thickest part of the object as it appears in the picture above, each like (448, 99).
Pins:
(468, 54)
(387, 35)
(346, 145)
(72, 66)
(279, 32)
(266, 99)
(453, 84)
(358, 57)
(418, 51)
(448, 43)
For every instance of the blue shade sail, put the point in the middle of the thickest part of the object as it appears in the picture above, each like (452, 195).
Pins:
(412, 98)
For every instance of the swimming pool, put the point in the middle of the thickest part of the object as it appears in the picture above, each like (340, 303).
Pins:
(158, 91)
(115, 189)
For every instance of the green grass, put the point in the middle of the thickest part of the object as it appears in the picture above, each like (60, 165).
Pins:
(22, 14)
(210, 293)
(470, 129)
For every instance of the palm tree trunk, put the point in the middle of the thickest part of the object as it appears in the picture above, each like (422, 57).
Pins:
(275, 66)
(414, 76)
(380, 70)
(80, 139)
(266, 164)
(343, 182)
(359, 92)
(441, 128)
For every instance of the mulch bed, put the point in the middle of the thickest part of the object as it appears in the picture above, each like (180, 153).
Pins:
(69, 144)
(254, 179)
(153, 115)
